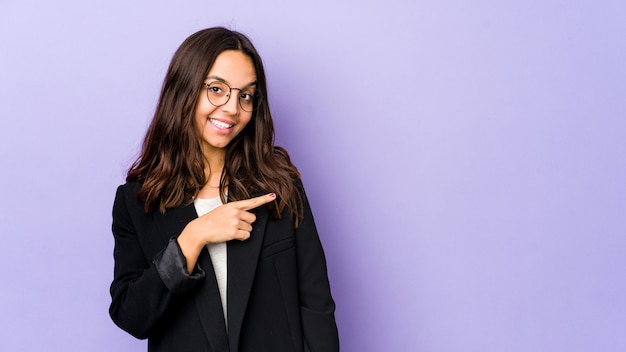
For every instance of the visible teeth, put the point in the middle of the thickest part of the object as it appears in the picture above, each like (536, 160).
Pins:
(220, 124)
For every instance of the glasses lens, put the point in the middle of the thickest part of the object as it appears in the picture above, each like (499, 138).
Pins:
(248, 100)
(217, 92)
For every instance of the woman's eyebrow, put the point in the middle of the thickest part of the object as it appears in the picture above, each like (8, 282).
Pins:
(218, 78)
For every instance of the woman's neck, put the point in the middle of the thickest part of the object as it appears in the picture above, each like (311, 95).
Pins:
(213, 173)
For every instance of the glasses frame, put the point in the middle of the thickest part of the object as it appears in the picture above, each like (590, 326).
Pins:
(256, 95)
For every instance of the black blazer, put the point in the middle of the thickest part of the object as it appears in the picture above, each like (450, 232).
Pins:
(278, 295)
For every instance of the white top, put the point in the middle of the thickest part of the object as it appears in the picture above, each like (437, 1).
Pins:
(217, 251)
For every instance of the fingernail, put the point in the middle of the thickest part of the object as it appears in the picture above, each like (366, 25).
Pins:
(273, 195)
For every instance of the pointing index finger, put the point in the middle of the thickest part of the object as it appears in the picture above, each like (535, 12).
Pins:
(248, 204)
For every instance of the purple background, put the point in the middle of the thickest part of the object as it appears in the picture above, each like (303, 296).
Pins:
(465, 161)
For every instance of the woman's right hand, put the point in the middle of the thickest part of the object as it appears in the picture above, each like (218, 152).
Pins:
(231, 221)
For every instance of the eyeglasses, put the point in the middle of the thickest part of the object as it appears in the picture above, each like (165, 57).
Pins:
(218, 94)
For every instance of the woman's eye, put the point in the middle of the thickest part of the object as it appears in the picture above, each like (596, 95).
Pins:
(246, 96)
(215, 89)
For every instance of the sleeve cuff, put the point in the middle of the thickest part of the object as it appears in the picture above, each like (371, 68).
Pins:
(171, 265)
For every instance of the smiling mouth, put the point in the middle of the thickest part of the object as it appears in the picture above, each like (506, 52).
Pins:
(220, 124)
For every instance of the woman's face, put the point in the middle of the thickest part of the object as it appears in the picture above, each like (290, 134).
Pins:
(219, 125)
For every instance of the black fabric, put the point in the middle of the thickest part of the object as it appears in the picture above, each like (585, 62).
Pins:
(277, 291)
(172, 268)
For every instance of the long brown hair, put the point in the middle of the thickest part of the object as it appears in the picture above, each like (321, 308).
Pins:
(171, 164)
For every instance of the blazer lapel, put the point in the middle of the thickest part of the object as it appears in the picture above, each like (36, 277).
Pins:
(207, 299)
(242, 261)
(209, 306)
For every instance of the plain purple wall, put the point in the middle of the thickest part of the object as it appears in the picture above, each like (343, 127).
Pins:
(465, 161)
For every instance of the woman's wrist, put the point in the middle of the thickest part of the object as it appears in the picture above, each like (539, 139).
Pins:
(190, 246)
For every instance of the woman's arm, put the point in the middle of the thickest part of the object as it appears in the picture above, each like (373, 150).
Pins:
(141, 290)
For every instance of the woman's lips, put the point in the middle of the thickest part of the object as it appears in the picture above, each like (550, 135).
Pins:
(221, 124)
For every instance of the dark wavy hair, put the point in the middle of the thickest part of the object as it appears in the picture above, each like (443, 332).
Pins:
(171, 164)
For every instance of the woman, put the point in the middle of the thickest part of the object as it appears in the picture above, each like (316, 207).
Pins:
(215, 244)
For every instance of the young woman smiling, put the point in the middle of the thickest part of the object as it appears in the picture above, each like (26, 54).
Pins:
(215, 244)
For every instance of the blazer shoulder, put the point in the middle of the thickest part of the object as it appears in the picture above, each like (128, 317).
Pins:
(126, 196)
(131, 187)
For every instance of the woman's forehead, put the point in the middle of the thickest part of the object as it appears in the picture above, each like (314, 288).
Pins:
(234, 68)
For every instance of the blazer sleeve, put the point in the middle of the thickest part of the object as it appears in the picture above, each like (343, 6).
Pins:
(317, 308)
(142, 291)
